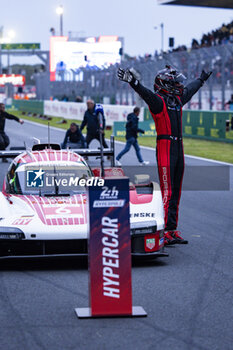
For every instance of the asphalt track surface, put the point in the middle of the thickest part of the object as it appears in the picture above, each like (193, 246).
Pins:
(188, 295)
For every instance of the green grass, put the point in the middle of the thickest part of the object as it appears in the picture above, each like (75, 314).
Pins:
(221, 151)
(52, 122)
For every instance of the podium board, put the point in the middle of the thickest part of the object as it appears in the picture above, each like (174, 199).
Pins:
(110, 282)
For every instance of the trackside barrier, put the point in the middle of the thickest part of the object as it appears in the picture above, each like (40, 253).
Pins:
(74, 110)
(206, 125)
(110, 284)
(148, 127)
(29, 106)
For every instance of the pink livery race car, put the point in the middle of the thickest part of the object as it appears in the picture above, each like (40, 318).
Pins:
(44, 207)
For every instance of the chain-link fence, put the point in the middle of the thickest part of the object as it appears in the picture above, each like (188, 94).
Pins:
(103, 85)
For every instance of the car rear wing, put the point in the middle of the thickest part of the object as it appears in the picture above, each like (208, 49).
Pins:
(84, 152)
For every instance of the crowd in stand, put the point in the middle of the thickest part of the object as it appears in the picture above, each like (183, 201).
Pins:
(222, 35)
(218, 37)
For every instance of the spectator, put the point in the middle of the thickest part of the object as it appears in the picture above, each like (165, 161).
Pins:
(230, 103)
(78, 99)
(65, 98)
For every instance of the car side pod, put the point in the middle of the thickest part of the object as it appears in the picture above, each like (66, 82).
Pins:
(110, 281)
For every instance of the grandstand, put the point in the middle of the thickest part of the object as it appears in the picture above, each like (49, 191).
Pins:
(102, 85)
(214, 51)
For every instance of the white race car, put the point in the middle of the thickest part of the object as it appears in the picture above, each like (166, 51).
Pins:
(49, 217)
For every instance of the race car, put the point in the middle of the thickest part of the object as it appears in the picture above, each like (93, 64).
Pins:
(44, 209)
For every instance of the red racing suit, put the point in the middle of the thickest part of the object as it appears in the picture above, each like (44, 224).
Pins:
(167, 114)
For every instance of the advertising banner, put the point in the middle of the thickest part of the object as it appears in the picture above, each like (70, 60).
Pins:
(204, 124)
(67, 110)
(73, 110)
(207, 125)
(29, 106)
(110, 249)
(148, 127)
(14, 79)
(118, 113)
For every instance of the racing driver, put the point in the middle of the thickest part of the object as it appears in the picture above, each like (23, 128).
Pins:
(165, 106)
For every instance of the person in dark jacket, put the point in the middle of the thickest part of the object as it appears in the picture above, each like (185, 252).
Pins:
(132, 131)
(4, 139)
(230, 103)
(90, 120)
(73, 138)
(165, 106)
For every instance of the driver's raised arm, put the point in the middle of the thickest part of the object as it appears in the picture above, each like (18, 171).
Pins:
(153, 101)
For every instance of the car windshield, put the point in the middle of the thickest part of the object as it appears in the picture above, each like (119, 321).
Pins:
(49, 179)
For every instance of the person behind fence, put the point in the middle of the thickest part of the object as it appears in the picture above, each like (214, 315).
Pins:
(73, 138)
(165, 106)
(91, 120)
(4, 139)
(132, 131)
(230, 103)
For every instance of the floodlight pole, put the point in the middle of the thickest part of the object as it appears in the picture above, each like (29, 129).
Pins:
(162, 37)
(1, 36)
(60, 11)
(8, 63)
(0, 58)
(61, 24)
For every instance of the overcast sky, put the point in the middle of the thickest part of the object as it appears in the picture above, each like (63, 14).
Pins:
(132, 19)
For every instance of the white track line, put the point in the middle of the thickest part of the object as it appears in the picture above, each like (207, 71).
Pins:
(143, 147)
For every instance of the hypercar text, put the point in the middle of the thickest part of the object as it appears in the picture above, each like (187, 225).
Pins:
(110, 257)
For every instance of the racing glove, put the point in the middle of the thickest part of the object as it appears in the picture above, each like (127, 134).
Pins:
(127, 75)
(204, 76)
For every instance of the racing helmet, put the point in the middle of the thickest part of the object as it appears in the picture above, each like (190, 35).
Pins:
(169, 81)
(99, 109)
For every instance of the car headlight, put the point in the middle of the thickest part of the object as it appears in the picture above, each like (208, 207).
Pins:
(11, 233)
